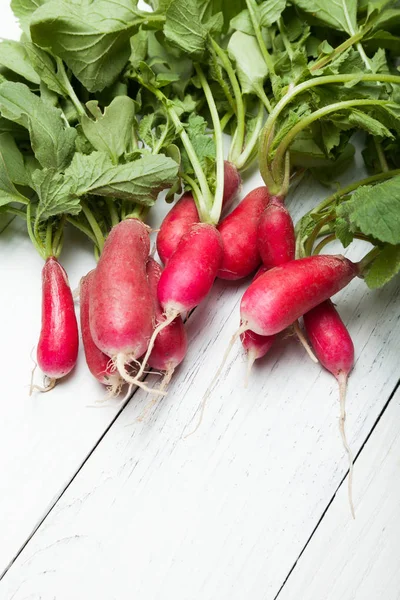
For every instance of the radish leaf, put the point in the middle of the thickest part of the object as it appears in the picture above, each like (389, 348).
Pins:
(13, 56)
(384, 267)
(55, 195)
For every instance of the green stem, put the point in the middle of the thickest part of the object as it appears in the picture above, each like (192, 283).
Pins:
(58, 238)
(161, 141)
(285, 40)
(306, 122)
(237, 148)
(113, 211)
(381, 156)
(31, 234)
(195, 189)
(368, 259)
(12, 210)
(93, 224)
(226, 118)
(67, 85)
(221, 80)
(264, 99)
(252, 7)
(311, 240)
(245, 158)
(216, 208)
(354, 39)
(49, 240)
(324, 242)
(78, 225)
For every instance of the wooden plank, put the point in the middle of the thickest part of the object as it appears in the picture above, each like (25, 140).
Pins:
(226, 512)
(358, 560)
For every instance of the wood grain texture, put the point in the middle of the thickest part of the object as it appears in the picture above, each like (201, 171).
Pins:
(225, 513)
(359, 560)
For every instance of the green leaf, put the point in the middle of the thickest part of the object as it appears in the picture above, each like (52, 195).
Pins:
(139, 181)
(250, 65)
(112, 130)
(184, 27)
(384, 267)
(24, 9)
(13, 159)
(52, 143)
(383, 39)
(8, 192)
(270, 11)
(202, 143)
(45, 67)
(338, 14)
(375, 211)
(55, 195)
(92, 37)
(13, 56)
(363, 120)
(343, 233)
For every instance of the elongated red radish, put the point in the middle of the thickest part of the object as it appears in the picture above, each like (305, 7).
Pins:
(100, 365)
(276, 239)
(239, 236)
(188, 276)
(184, 214)
(57, 350)
(256, 346)
(170, 346)
(121, 309)
(335, 350)
(283, 294)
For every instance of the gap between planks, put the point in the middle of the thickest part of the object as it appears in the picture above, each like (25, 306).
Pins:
(391, 396)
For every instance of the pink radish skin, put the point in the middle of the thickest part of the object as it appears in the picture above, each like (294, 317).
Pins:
(190, 274)
(276, 239)
(100, 365)
(170, 346)
(239, 236)
(184, 214)
(280, 296)
(335, 350)
(187, 278)
(256, 346)
(58, 344)
(121, 306)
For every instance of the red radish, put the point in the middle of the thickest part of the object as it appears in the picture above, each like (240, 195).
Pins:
(280, 296)
(256, 346)
(184, 214)
(170, 347)
(58, 344)
(239, 236)
(121, 309)
(335, 350)
(100, 365)
(188, 276)
(276, 239)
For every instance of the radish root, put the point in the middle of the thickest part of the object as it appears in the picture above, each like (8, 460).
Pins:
(169, 318)
(120, 362)
(342, 380)
(162, 387)
(303, 341)
(251, 357)
(244, 327)
(48, 384)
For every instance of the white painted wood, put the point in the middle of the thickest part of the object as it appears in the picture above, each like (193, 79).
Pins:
(359, 560)
(225, 513)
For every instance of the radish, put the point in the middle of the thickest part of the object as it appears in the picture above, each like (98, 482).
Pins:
(280, 296)
(239, 236)
(121, 310)
(184, 214)
(334, 348)
(100, 365)
(276, 239)
(57, 350)
(187, 278)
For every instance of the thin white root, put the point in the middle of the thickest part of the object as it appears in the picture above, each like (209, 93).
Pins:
(120, 364)
(49, 384)
(235, 336)
(76, 294)
(250, 362)
(302, 339)
(162, 387)
(342, 380)
(160, 327)
(103, 403)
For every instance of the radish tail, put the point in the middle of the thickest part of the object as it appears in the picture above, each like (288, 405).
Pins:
(251, 357)
(49, 384)
(244, 327)
(303, 341)
(162, 388)
(120, 362)
(170, 317)
(342, 380)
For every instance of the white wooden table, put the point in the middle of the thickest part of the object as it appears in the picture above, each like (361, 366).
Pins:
(97, 506)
